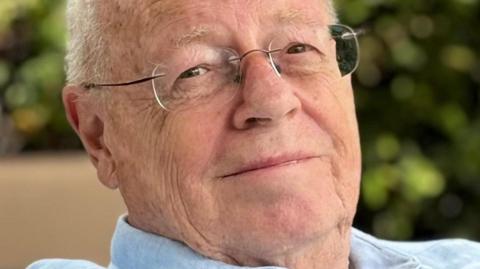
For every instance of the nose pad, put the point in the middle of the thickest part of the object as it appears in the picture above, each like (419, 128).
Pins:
(238, 78)
(276, 67)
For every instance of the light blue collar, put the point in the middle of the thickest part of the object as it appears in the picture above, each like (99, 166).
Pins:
(133, 248)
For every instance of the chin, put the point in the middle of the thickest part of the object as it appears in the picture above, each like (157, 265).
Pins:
(284, 211)
(303, 223)
(289, 224)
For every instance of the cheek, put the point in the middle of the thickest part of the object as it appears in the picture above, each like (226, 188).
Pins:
(194, 142)
(333, 110)
(191, 142)
(330, 104)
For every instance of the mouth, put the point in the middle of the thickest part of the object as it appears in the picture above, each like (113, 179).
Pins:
(269, 163)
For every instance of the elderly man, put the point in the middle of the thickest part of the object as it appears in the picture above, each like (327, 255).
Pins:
(229, 128)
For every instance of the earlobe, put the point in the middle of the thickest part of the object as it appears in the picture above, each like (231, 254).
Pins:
(106, 171)
(85, 116)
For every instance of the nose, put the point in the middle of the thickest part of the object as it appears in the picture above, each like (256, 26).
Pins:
(266, 98)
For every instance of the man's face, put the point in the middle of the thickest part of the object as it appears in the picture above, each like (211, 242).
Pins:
(273, 168)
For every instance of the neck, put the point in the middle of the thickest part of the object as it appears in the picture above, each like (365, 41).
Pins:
(329, 251)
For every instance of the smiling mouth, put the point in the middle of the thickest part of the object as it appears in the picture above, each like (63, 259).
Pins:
(269, 164)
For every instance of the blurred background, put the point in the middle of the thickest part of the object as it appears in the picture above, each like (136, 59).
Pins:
(418, 98)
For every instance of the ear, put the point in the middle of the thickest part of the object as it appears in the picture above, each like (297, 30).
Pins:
(85, 116)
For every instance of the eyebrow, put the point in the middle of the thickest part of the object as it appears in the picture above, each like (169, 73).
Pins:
(196, 34)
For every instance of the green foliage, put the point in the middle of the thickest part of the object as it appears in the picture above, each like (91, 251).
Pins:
(417, 92)
(32, 44)
(418, 102)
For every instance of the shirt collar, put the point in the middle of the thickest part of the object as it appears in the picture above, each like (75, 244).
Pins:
(367, 251)
(134, 248)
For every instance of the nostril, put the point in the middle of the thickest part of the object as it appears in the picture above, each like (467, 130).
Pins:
(251, 121)
(257, 121)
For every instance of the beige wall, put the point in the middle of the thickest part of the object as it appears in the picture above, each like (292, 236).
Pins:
(53, 206)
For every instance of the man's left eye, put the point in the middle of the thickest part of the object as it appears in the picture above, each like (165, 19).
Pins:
(193, 72)
(298, 48)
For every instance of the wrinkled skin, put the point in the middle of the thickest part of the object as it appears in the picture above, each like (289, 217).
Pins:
(171, 167)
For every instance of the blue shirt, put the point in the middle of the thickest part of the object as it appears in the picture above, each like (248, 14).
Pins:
(135, 249)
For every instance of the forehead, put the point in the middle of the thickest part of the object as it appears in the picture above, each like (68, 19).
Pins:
(177, 8)
(171, 9)
(180, 15)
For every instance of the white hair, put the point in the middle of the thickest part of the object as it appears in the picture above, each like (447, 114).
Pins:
(332, 11)
(85, 61)
(87, 58)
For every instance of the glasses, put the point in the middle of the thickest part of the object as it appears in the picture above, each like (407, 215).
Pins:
(203, 74)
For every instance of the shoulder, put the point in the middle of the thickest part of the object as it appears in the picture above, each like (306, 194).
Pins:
(454, 252)
(63, 264)
(441, 254)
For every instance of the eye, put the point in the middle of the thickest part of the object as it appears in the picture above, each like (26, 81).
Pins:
(193, 72)
(299, 48)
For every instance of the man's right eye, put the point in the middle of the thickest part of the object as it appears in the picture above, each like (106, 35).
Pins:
(193, 72)
(299, 48)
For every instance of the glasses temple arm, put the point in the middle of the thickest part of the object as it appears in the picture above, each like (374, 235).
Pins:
(98, 85)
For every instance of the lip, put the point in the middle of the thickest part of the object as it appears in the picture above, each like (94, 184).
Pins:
(270, 162)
